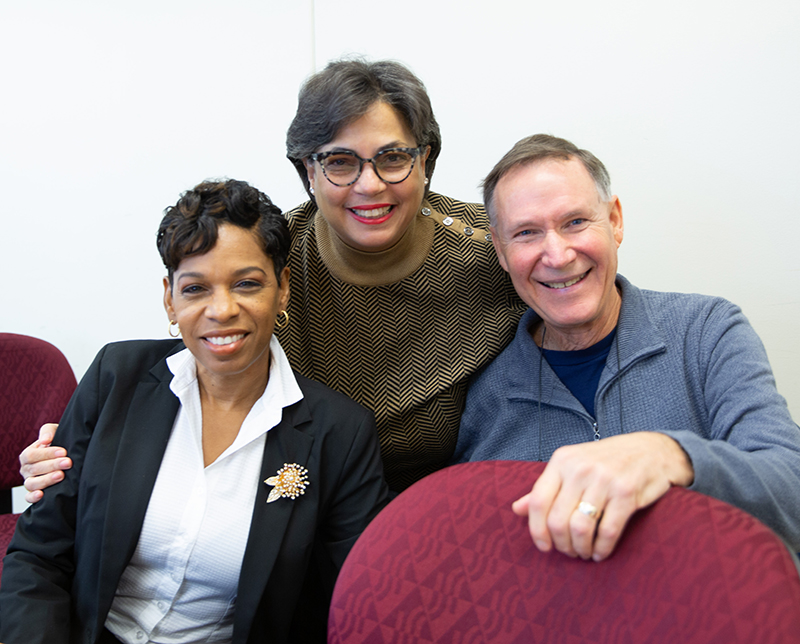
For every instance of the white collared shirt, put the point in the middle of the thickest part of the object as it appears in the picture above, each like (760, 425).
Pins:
(181, 583)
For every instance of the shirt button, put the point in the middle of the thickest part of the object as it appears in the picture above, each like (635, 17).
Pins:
(488, 237)
(139, 635)
(447, 221)
(426, 212)
(468, 231)
(160, 605)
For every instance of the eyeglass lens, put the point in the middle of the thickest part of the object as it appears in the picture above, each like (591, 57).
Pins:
(392, 166)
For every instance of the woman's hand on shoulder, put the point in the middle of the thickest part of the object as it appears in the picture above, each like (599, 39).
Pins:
(42, 465)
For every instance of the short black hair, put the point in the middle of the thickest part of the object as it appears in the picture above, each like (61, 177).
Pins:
(191, 226)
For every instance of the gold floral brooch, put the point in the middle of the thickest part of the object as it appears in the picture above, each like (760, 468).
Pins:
(290, 482)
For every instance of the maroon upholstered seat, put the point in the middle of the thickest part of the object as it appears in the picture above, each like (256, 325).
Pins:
(8, 523)
(448, 561)
(36, 383)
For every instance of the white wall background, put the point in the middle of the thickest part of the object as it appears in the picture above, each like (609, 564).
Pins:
(109, 110)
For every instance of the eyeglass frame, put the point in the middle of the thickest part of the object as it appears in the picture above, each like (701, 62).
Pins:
(319, 157)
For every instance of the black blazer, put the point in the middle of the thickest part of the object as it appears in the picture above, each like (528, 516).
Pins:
(70, 549)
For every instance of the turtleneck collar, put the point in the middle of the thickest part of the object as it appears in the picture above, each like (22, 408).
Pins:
(379, 268)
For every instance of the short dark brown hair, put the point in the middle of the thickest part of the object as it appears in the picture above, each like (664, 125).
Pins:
(537, 148)
(343, 92)
(191, 226)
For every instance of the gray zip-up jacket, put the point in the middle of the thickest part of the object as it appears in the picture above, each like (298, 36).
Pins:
(690, 366)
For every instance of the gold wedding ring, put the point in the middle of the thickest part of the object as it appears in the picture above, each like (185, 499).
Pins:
(584, 507)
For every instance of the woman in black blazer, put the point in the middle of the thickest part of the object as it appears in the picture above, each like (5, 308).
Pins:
(77, 554)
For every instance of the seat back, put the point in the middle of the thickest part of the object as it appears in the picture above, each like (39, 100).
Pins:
(36, 383)
(448, 561)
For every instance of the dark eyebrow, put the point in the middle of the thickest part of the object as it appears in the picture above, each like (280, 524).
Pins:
(241, 271)
(394, 144)
(387, 146)
(247, 269)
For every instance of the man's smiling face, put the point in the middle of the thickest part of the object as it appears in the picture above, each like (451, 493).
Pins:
(558, 240)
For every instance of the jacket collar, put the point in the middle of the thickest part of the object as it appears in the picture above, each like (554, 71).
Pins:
(286, 443)
(144, 439)
(638, 336)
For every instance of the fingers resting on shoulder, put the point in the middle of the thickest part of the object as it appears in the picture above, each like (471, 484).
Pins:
(42, 465)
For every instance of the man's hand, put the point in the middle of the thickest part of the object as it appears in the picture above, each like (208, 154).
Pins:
(41, 465)
(616, 476)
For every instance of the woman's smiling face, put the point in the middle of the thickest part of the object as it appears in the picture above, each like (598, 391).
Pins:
(370, 215)
(226, 302)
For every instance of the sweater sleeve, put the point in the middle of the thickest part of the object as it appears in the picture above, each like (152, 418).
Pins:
(751, 455)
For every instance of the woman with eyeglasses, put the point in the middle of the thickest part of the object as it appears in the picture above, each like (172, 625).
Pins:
(397, 291)
(397, 295)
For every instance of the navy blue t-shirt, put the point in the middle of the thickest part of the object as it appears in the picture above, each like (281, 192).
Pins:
(580, 370)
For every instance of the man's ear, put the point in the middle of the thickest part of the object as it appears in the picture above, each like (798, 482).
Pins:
(615, 217)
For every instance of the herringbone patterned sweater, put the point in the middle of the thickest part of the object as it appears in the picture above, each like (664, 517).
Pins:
(403, 330)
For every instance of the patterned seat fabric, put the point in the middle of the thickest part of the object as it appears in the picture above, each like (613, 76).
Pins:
(448, 561)
(36, 383)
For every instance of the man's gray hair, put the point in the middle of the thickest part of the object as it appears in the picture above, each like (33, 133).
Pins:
(538, 148)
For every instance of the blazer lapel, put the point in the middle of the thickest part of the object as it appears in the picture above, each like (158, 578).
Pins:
(285, 444)
(145, 434)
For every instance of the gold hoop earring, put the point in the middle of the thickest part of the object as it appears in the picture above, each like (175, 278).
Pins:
(177, 329)
(282, 323)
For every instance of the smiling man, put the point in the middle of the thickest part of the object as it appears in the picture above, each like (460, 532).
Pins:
(624, 391)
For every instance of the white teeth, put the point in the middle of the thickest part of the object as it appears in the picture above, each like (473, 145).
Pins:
(228, 339)
(372, 214)
(565, 284)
